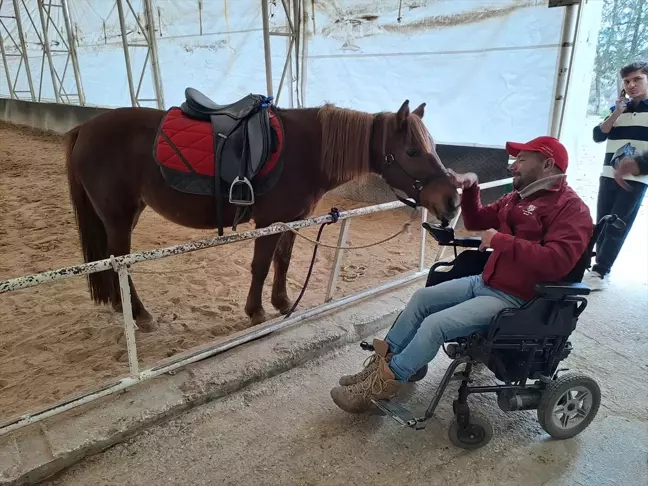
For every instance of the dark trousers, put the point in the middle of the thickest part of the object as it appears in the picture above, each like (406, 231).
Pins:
(614, 199)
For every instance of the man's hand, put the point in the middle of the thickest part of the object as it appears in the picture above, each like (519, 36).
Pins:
(627, 166)
(619, 109)
(487, 237)
(463, 181)
(621, 104)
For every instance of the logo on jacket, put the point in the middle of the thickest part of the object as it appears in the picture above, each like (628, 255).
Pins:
(528, 211)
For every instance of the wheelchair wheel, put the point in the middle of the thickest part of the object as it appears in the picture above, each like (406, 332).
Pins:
(568, 405)
(479, 433)
(419, 375)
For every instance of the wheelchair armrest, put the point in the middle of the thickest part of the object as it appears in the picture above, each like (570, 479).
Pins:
(558, 290)
(467, 242)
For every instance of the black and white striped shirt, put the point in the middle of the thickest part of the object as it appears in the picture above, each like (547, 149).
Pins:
(630, 132)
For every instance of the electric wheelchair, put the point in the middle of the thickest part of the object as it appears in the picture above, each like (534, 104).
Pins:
(523, 347)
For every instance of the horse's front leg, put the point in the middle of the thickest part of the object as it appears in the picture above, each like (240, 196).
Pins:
(280, 300)
(264, 248)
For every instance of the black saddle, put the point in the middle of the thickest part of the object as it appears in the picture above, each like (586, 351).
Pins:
(243, 142)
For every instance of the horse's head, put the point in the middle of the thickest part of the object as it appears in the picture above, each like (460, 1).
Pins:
(408, 162)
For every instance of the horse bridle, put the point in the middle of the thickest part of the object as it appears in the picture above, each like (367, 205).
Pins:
(418, 185)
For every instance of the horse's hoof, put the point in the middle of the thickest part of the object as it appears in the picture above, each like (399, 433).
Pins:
(258, 317)
(146, 323)
(117, 307)
(283, 305)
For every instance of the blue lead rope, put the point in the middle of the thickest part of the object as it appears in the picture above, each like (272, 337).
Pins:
(266, 101)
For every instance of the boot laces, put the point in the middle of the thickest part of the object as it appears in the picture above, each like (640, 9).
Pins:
(368, 364)
(370, 360)
(372, 385)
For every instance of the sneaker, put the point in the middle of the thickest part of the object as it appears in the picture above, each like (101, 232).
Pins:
(380, 384)
(595, 281)
(370, 365)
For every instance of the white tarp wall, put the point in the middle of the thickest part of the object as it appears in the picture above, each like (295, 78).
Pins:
(487, 69)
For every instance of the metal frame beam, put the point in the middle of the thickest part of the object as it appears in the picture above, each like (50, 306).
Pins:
(21, 51)
(66, 47)
(294, 11)
(567, 47)
(150, 44)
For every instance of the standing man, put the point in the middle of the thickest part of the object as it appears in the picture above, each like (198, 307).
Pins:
(622, 186)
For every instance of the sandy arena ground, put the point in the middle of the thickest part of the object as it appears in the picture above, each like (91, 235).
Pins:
(54, 341)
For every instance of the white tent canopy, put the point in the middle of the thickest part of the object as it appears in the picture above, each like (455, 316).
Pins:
(487, 70)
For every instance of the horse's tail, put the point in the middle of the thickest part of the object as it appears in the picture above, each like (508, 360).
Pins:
(92, 232)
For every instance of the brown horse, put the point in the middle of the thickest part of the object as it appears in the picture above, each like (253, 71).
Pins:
(113, 176)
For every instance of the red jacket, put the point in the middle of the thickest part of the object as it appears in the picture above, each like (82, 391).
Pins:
(540, 239)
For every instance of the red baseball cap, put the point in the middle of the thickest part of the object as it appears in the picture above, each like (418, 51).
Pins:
(550, 147)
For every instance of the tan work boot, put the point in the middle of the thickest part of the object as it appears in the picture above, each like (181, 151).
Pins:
(378, 385)
(381, 350)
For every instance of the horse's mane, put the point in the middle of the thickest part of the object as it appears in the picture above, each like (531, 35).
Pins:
(346, 136)
(346, 140)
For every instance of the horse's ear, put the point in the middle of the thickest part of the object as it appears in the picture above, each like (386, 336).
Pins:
(403, 113)
(420, 110)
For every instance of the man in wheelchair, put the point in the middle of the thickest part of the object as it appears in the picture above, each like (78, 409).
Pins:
(537, 233)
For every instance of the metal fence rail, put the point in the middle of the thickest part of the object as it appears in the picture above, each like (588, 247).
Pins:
(121, 265)
(132, 258)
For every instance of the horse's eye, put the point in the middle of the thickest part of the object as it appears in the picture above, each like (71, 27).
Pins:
(413, 153)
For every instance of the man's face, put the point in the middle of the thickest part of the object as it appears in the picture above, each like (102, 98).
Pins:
(636, 85)
(527, 168)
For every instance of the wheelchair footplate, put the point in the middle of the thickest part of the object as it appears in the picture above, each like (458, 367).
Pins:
(400, 414)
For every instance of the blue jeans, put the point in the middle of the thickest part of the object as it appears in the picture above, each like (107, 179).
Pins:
(440, 313)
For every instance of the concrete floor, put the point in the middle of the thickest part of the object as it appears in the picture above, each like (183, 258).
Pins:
(286, 430)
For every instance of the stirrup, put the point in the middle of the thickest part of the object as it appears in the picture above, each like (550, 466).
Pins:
(245, 183)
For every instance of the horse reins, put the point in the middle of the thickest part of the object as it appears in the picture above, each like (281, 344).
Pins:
(417, 185)
(335, 214)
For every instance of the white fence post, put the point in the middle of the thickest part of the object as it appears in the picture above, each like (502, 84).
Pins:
(129, 321)
(337, 261)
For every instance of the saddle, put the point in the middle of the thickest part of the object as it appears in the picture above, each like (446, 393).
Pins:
(243, 141)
